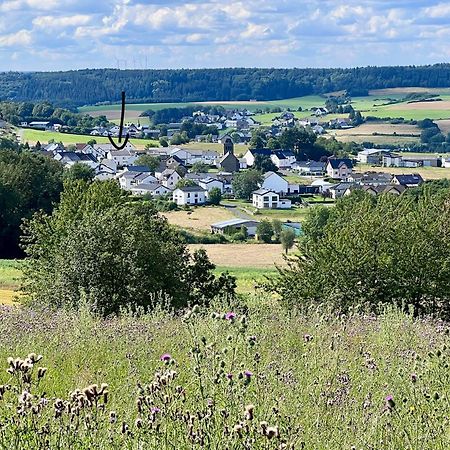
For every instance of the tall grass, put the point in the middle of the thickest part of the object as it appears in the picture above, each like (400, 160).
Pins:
(260, 378)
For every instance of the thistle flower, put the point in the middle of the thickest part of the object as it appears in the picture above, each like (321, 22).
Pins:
(249, 412)
(41, 372)
(272, 432)
(230, 316)
(248, 374)
(155, 410)
(166, 357)
(307, 338)
(390, 403)
(230, 376)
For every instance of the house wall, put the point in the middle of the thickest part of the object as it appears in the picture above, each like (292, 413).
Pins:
(270, 200)
(276, 183)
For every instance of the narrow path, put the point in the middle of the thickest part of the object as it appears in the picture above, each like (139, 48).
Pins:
(238, 212)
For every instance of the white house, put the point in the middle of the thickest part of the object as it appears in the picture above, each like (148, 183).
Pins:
(154, 189)
(340, 189)
(130, 179)
(339, 168)
(265, 198)
(275, 182)
(210, 183)
(123, 157)
(371, 156)
(324, 186)
(283, 158)
(251, 154)
(189, 195)
(169, 178)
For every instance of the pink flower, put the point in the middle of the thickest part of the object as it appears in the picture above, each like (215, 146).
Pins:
(230, 316)
(155, 410)
(390, 402)
(230, 376)
(166, 357)
(248, 374)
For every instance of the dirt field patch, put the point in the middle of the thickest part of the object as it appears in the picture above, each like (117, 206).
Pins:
(408, 90)
(379, 128)
(200, 218)
(444, 125)
(427, 173)
(443, 105)
(7, 296)
(243, 255)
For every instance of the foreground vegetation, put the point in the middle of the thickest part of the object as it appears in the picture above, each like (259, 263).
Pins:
(221, 378)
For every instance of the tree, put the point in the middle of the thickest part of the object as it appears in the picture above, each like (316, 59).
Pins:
(264, 231)
(264, 164)
(91, 142)
(200, 167)
(79, 171)
(273, 144)
(376, 250)
(163, 142)
(215, 196)
(28, 183)
(277, 227)
(244, 183)
(287, 238)
(185, 182)
(98, 246)
(152, 162)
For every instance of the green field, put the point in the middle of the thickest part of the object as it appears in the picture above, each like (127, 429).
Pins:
(9, 280)
(32, 136)
(247, 278)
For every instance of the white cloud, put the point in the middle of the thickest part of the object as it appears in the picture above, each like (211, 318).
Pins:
(60, 22)
(21, 38)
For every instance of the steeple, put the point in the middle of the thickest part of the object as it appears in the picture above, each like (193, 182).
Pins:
(228, 146)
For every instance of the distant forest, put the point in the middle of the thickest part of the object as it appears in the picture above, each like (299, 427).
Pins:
(87, 87)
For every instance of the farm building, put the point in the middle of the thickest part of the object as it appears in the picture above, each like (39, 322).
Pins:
(235, 224)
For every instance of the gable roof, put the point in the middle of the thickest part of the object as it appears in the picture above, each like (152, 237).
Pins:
(138, 169)
(413, 178)
(336, 163)
(260, 151)
(191, 189)
(264, 192)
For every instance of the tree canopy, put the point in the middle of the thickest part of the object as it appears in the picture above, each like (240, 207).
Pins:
(114, 253)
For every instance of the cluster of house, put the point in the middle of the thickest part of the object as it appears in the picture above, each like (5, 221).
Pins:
(388, 158)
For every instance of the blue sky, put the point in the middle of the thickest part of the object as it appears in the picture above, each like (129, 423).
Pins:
(75, 34)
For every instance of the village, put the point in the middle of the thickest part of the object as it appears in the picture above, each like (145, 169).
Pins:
(288, 188)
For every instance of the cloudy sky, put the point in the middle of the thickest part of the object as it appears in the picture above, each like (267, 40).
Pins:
(74, 34)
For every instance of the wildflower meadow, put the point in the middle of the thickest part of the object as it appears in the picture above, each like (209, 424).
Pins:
(254, 376)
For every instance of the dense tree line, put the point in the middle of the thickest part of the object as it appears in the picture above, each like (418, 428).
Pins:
(85, 87)
(370, 250)
(17, 112)
(28, 183)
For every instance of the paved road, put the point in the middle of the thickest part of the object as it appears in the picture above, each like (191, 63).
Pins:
(239, 213)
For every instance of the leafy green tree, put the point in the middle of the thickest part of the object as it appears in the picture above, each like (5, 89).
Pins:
(91, 142)
(264, 231)
(372, 251)
(264, 164)
(185, 182)
(287, 238)
(98, 246)
(79, 171)
(163, 142)
(215, 196)
(273, 144)
(200, 167)
(152, 162)
(28, 183)
(277, 227)
(244, 183)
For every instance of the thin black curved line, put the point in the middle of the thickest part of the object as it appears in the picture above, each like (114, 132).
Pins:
(119, 147)
(122, 117)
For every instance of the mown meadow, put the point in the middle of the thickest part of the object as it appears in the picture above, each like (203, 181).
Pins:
(247, 376)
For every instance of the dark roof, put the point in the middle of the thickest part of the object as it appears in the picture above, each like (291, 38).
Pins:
(261, 151)
(337, 162)
(192, 189)
(279, 154)
(138, 169)
(413, 178)
(264, 191)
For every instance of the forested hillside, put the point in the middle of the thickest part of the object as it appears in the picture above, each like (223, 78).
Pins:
(76, 88)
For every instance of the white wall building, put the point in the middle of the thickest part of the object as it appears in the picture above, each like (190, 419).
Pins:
(265, 198)
(275, 182)
(189, 195)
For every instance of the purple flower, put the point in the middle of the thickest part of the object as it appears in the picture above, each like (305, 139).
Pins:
(413, 377)
(248, 374)
(390, 402)
(155, 410)
(166, 357)
(230, 316)
(230, 376)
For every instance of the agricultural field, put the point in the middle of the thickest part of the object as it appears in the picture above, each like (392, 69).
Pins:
(379, 133)
(248, 279)
(32, 136)
(427, 173)
(198, 219)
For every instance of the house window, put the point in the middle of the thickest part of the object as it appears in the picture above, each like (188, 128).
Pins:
(266, 198)
(266, 205)
(274, 199)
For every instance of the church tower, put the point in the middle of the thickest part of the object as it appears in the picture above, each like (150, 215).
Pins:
(228, 146)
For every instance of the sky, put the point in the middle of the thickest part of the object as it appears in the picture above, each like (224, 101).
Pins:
(40, 35)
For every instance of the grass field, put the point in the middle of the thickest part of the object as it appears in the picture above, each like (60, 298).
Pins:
(427, 173)
(252, 255)
(9, 280)
(315, 380)
(32, 136)
(199, 219)
(247, 278)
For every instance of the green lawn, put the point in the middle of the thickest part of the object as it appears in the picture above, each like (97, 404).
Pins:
(9, 273)
(32, 136)
(247, 277)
